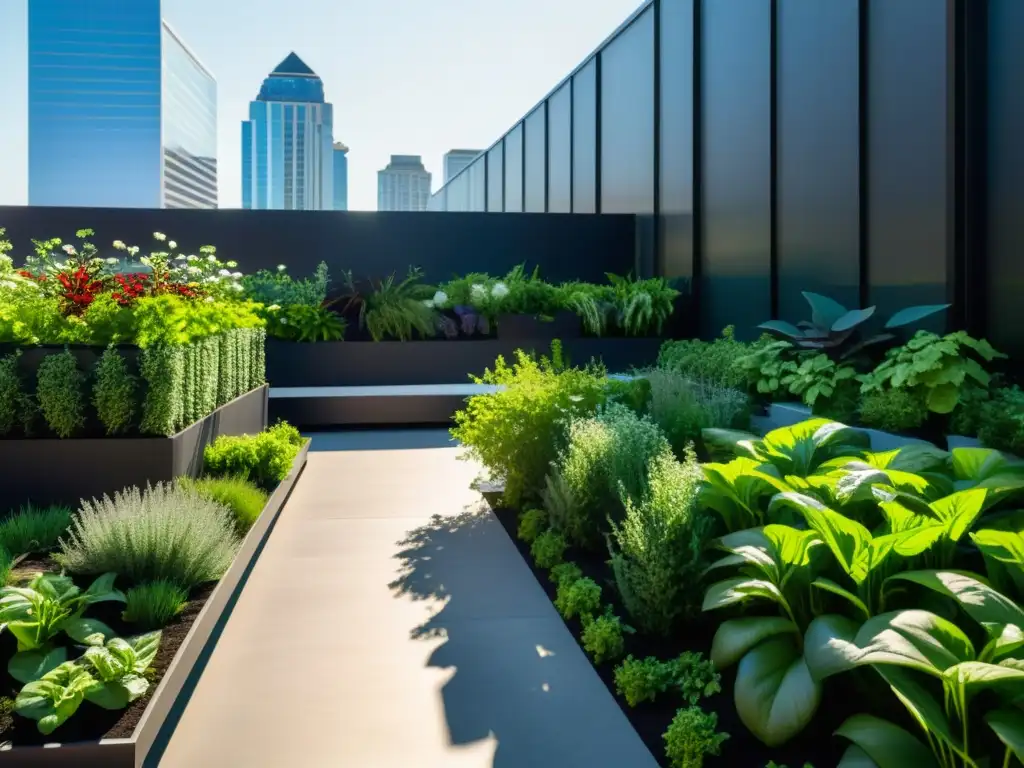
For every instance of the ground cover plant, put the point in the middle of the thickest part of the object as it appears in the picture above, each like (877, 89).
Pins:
(813, 573)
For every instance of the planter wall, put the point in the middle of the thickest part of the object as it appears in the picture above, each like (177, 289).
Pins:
(55, 471)
(354, 364)
(132, 752)
(564, 325)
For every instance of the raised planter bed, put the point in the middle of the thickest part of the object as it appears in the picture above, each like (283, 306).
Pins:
(63, 471)
(151, 713)
(564, 325)
(359, 363)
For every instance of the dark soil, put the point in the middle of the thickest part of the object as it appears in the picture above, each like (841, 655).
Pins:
(816, 745)
(91, 723)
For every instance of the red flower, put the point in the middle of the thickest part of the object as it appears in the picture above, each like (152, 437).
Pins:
(80, 290)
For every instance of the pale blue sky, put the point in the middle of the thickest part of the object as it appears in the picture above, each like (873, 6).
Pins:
(405, 76)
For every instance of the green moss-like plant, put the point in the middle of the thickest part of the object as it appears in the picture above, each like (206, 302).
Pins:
(163, 368)
(532, 523)
(643, 680)
(548, 549)
(893, 410)
(243, 497)
(60, 390)
(33, 530)
(604, 637)
(565, 572)
(266, 458)
(16, 405)
(691, 737)
(113, 394)
(579, 598)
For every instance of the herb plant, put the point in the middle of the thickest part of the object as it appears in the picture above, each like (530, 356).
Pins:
(603, 636)
(34, 530)
(265, 458)
(641, 306)
(114, 392)
(1002, 421)
(153, 604)
(714, 362)
(13, 396)
(244, 498)
(893, 410)
(695, 677)
(639, 681)
(61, 395)
(119, 669)
(396, 310)
(682, 408)
(278, 287)
(580, 598)
(548, 549)
(565, 572)
(691, 737)
(532, 523)
(304, 323)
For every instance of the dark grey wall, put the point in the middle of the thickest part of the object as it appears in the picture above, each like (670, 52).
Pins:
(371, 244)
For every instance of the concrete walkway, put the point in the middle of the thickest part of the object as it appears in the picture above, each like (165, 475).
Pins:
(390, 623)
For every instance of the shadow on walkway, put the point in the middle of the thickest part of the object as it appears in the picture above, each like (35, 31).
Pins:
(519, 677)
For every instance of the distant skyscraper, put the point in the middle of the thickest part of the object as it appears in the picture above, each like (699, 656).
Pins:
(456, 160)
(121, 113)
(287, 142)
(340, 177)
(404, 185)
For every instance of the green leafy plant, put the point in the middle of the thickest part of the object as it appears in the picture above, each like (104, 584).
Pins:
(166, 532)
(594, 304)
(60, 391)
(33, 530)
(603, 636)
(548, 549)
(818, 378)
(713, 362)
(641, 305)
(517, 431)
(278, 287)
(244, 498)
(579, 598)
(838, 331)
(658, 550)
(565, 572)
(893, 410)
(397, 310)
(682, 408)
(163, 368)
(766, 365)
(1002, 421)
(695, 677)
(942, 368)
(119, 669)
(304, 323)
(16, 406)
(691, 737)
(643, 680)
(634, 393)
(265, 458)
(47, 606)
(532, 523)
(114, 392)
(154, 604)
(55, 696)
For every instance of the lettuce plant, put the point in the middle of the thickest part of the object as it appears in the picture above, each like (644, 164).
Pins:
(119, 668)
(54, 697)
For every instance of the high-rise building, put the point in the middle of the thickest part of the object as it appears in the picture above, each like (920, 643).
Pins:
(121, 113)
(404, 185)
(340, 177)
(287, 142)
(457, 159)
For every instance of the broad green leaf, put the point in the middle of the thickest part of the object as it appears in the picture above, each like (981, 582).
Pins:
(1008, 725)
(109, 695)
(976, 465)
(791, 547)
(731, 441)
(914, 315)
(852, 319)
(973, 676)
(146, 647)
(982, 603)
(735, 637)
(960, 510)
(830, 586)
(752, 537)
(855, 757)
(846, 538)
(856, 483)
(888, 745)
(27, 666)
(783, 328)
(51, 700)
(922, 705)
(739, 490)
(1004, 546)
(87, 631)
(799, 449)
(912, 638)
(26, 632)
(731, 591)
(918, 540)
(824, 311)
(943, 398)
(825, 645)
(1005, 640)
(775, 695)
(102, 590)
(108, 667)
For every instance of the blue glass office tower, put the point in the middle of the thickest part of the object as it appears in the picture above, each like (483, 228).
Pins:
(287, 142)
(340, 177)
(121, 113)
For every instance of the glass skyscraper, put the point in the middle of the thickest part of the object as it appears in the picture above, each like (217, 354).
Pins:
(340, 177)
(287, 142)
(121, 113)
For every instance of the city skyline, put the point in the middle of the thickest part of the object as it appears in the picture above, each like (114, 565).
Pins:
(403, 185)
(422, 98)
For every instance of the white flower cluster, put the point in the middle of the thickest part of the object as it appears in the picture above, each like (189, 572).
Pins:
(440, 301)
(205, 269)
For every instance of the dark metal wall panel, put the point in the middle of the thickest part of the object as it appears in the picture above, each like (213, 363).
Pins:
(584, 142)
(818, 158)
(514, 170)
(736, 165)
(371, 244)
(535, 140)
(496, 178)
(908, 243)
(627, 119)
(1005, 258)
(560, 150)
(676, 178)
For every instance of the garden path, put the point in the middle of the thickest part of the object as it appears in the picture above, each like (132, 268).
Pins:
(390, 623)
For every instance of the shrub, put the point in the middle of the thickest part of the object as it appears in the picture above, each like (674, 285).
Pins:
(1001, 421)
(893, 410)
(6, 561)
(682, 408)
(114, 392)
(16, 405)
(278, 287)
(166, 533)
(691, 736)
(245, 500)
(712, 362)
(565, 572)
(658, 549)
(607, 456)
(578, 598)
(265, 458)
(153, 604)
(695, 676)
(633, 393)
(34, 530)
(639, 681)
(59, 389)
(516, 432)
(548, 549)
(604, 637)
(532, 523)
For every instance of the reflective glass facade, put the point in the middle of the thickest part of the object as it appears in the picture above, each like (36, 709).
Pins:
(287, 143)
(340, 177)
(94, 103)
